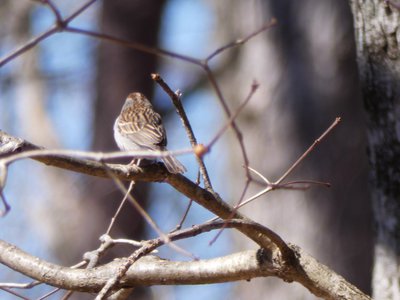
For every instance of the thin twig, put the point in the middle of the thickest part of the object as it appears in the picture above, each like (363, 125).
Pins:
(67, 295)
(239, 42)
(97, 156)
(29, 45)
(253, 89)
(13, 293)
(179, 226)
(3, 177)
(176, 100)
(149, 220)
(304, 184)
(227, 111)
(131, 184)
(59, 26)
(52, 292)
(308, 151)
(127, 242)
(233, 117)
(53, 8)
(219, 94)
(28, 285)
(132, 45)
(146, 249)
(80, 10)
(270, 186)
(6, 206)
(234, 210)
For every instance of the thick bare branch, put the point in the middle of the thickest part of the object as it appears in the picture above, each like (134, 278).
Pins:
(275, 252)
(149, 270)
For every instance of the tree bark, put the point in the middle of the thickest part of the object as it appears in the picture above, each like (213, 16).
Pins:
(377, 37)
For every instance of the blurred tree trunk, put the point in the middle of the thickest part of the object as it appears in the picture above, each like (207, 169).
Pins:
(307, 74)
(119, 72)
(377, 29)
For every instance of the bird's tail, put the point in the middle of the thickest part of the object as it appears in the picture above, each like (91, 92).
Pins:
(173, 165)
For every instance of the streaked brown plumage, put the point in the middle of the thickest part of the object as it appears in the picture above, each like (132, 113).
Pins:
(139, 127)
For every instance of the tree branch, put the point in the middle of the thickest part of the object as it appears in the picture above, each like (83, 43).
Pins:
(149, 270)
(288, 263)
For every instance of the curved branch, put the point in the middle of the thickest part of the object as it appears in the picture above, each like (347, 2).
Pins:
(149, 270)
(318, 278)
(287, 262)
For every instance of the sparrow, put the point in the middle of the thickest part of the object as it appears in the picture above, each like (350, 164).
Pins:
(139, 127)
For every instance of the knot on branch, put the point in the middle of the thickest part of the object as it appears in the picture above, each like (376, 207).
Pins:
(263, 256)
(61, 24)
(9, 144)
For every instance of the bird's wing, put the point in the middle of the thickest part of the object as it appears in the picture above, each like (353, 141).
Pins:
(146, 130)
